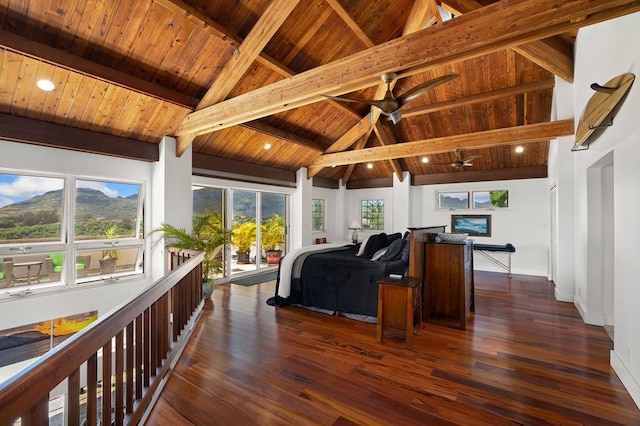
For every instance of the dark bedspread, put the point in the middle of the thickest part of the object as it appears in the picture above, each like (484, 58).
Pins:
(341, 281)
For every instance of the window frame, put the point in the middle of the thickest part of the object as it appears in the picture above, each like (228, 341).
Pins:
(471, 199)
(67, 245)
(378, 221)
(323, 214)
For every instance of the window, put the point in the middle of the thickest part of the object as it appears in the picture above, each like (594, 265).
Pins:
(45, 239)
(453, 200)
(372, 215)
(490, 199)
(487, 200)
(317, 215)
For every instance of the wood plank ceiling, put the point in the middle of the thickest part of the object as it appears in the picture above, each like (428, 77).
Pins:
(228, 77)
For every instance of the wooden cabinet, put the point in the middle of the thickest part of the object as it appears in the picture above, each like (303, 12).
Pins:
(399, 307)
(448, 283)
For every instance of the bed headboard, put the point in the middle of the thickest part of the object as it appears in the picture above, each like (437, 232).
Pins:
(417, 240)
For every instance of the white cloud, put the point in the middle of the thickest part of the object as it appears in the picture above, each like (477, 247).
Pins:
(29, 186)
(98, 186)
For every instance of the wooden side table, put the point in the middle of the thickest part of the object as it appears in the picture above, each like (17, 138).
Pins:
(399, 308)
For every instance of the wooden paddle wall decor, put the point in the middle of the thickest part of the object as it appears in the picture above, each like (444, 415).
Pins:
(599, 107)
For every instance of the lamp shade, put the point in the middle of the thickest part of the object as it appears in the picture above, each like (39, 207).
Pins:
(355, 225)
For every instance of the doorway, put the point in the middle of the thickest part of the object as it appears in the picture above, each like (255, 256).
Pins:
(601, 242)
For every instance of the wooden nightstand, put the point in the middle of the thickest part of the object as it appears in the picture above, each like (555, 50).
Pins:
(399, 308)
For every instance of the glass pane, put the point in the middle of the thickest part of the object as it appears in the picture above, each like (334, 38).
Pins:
(372, 215)
(244, 231)
(211, 200)
(105, 263)
(106, 210)
(491, 199)
(272, 236)
(30, 208)
(28, 270)
(317, 215)
(453, 200)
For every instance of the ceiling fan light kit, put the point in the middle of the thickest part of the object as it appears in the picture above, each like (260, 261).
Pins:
(390, 105)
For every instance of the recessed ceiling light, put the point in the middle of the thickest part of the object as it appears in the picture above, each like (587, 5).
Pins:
(46, 85)
(369, 166)
(425, 160)
(519, 149)
(267, 146)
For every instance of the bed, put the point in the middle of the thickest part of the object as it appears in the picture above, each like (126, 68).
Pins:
(341, 278)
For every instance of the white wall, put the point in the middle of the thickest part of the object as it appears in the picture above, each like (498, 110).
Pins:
(525, 224)
(353, 198)
(334, 214)
(604, 51)
(48, 303)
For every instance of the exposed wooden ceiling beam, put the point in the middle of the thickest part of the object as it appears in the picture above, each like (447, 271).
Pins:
(469, 36)
(212, 27)
(478, 140)
(530, 172)
(36, 132)
(480, 97)
(349, 169)
(260, 34)
(275, 132)
(344, 15)
(385, 137)
(415, 22)
(238, 64)
(550, 55)
(77, 64)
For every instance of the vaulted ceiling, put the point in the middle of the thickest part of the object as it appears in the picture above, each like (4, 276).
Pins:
(227, 77)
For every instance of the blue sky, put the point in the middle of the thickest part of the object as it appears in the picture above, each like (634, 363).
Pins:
(16, 188)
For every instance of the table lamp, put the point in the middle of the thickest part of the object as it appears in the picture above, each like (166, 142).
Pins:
(355, 225)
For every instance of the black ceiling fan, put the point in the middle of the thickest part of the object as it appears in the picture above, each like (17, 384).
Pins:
(459, 161)
(390, 105)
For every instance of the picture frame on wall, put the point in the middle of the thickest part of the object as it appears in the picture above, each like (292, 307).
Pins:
(477, 225)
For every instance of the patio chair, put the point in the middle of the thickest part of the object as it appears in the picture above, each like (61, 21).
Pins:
(6, 274)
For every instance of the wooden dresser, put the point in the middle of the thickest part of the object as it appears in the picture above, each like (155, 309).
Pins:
(448, 283)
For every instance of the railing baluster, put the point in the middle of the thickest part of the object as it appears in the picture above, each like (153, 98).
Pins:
(92, 388)
(129, 368)
(144, 325)
(119, 373)
(73, 390)
(139, 361)
(154, 339)
(147, 346)
(106, 382)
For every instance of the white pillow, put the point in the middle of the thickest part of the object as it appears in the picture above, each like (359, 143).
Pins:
(379, 253)
(362, 246)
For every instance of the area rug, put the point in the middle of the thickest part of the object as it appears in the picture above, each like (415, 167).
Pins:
(255, 279)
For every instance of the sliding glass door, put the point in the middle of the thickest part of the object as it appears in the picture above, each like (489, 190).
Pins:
(258, 222)
(244, 232)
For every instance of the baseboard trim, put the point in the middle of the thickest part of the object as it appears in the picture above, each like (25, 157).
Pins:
(588, 317)
(626, 377)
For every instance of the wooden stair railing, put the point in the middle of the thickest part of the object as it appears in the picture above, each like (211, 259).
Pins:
(138, 344)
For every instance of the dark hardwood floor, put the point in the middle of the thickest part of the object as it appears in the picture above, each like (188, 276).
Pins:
(524, 359)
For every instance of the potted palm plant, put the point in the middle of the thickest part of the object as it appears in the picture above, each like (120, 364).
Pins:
(244, 234)
(110, 257)
(272, 234)
(207, 235)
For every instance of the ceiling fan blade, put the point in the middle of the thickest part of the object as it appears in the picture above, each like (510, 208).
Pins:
(387, 106)
(422, 88)
(465, 164)
(473, 157)
(345, 99)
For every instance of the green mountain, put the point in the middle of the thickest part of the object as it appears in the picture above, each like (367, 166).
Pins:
(90, 204)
